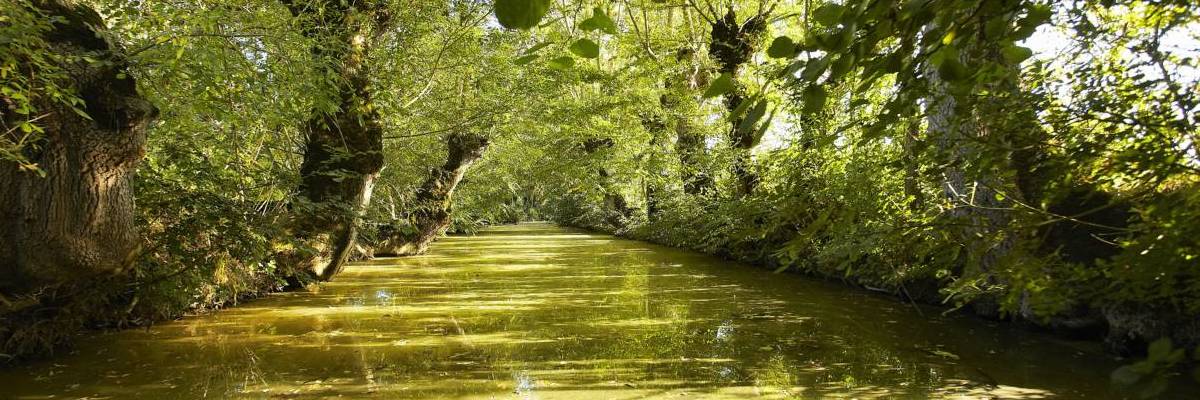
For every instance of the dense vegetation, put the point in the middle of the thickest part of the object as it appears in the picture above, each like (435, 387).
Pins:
(920, 148)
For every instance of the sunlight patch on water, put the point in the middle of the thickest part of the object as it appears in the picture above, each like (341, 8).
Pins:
(538, 312)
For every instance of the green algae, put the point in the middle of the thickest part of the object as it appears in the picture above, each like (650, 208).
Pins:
(534, 311)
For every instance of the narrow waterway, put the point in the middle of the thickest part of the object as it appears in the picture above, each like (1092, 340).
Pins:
(535, 311)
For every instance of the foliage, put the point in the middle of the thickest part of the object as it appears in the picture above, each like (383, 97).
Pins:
(32, 77)
(924, 148)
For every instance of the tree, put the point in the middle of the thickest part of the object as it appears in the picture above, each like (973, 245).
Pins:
(732, 45)
(344, 138)
(430, 212)
(70, 215)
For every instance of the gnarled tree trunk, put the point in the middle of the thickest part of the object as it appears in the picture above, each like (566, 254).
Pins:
(74, 220)
(431, 215)
(343, 151)
(732, 46)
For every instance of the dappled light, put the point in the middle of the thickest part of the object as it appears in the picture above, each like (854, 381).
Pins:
(490, 317)
(625, 199)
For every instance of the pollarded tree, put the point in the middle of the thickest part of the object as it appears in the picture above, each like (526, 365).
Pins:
(732, 45)
(69, 215)
(344, 137)
(430, 211)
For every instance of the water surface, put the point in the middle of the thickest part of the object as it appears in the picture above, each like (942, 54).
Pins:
(538, 312)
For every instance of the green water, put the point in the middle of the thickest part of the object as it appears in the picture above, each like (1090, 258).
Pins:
(539, 312)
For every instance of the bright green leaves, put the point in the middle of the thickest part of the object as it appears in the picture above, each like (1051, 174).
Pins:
(813, 97)
(723, 84)
(561, 63)
(829, 14)
(585, 48)
(754, 109)
(521, 14)
(599, 21)
(525, 14)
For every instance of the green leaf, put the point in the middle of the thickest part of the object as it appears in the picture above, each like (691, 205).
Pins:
(756, 113)
(791, 69)
(762, 129)
(521, 14)
(741, 108)
(526, 59)
(561, 63)
(815, 68)
(1015, 54)
(1039, 14)
(782, 47)
(1159, 349)
(599, 21)
(82, 113)
(585, 48)
(723, 84)
(944, 354)
(537, 47)
(841, 66)
(949, 67)
(996, 27)
(814, 99)
(828, 14)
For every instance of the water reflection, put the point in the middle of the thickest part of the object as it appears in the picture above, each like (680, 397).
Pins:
(538, 312)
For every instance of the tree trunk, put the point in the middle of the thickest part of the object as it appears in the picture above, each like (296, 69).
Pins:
(912, 165)
(656, 126)
(343, 151)
(75, 221)
(680, 102)
(966, 132)
(690, 147)
(732, 46)
(431, 216)
(616, 209)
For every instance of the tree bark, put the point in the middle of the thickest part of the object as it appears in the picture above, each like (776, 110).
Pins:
(732, 46)
(75, 221)
(431, 215)
(343, 151)
(981, 189)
